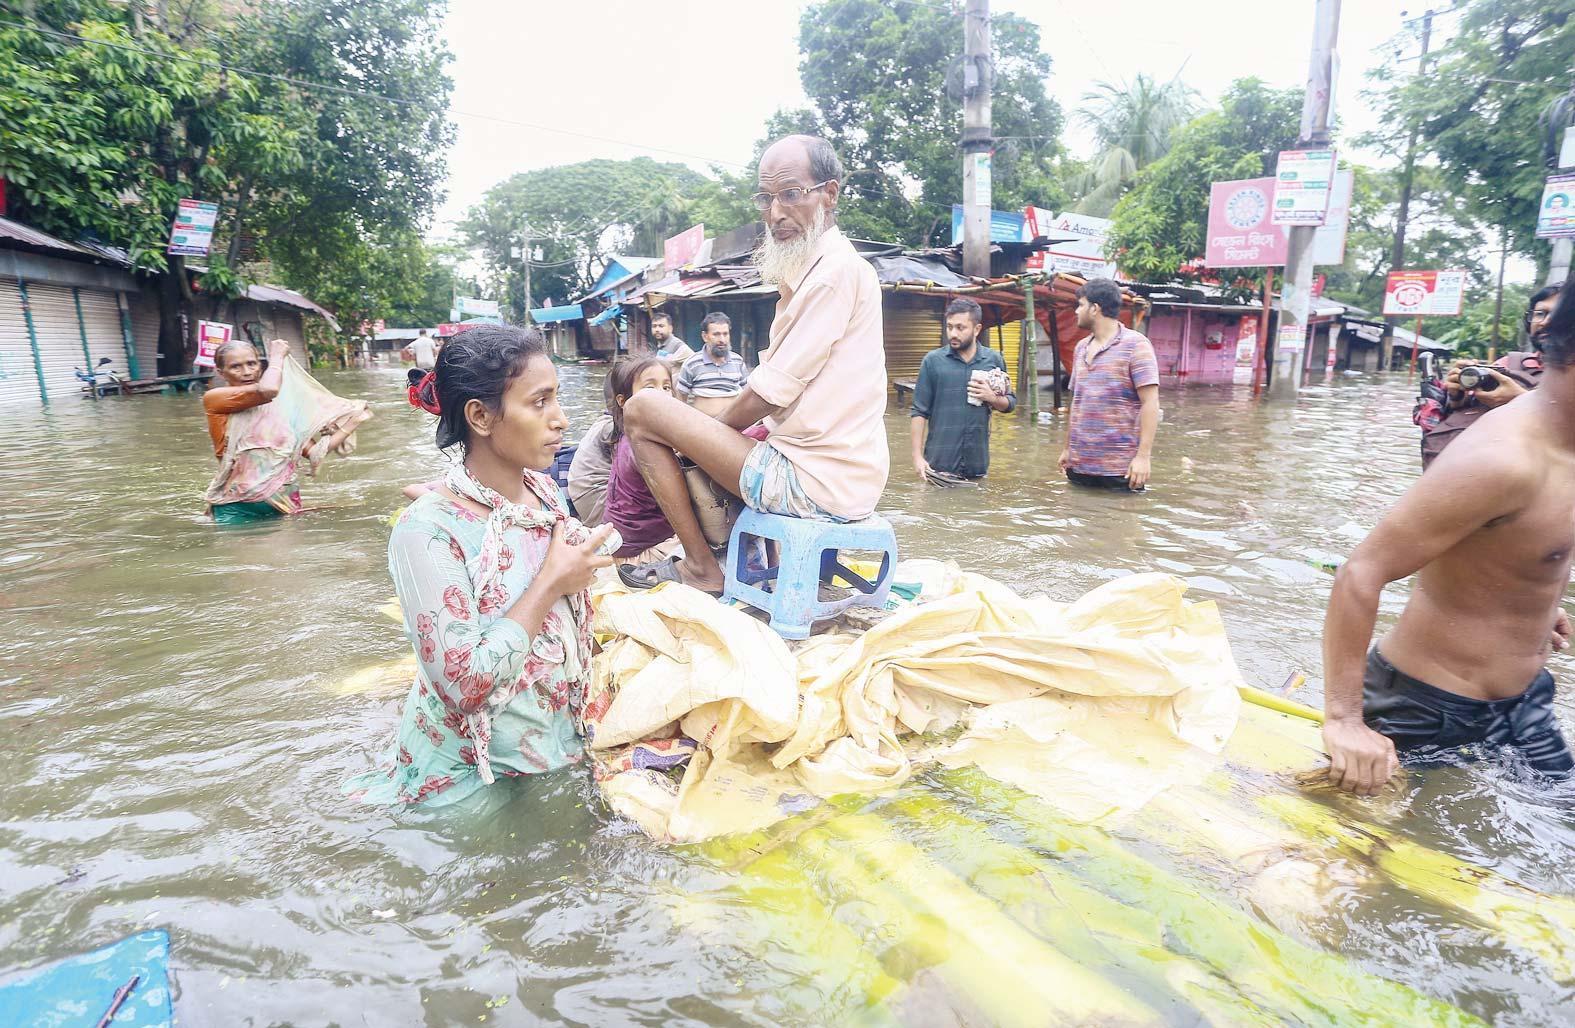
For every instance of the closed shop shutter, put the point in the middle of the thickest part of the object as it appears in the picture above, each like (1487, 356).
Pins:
(912, 329)
(18, 382)
(145, 327)
(102, 319)
(59, 339)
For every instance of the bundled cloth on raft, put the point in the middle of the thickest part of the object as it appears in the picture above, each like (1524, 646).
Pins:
(703, 722)
(265, 445)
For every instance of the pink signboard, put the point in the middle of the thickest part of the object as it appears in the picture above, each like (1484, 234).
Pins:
(1241, 233)
(684, 247)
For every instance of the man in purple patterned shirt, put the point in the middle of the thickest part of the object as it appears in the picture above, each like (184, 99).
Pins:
(1115, 396)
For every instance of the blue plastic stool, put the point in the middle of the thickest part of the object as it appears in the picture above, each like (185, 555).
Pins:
(808, 557)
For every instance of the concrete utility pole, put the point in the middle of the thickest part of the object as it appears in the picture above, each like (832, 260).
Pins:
(1402, 220)
(525, 253)
(1296, 291)
(978, 73)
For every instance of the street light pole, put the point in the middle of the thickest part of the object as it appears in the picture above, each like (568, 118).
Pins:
(1296, 290)
(976, 139)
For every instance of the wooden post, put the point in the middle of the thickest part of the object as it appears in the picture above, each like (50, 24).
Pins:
(126, 336)
(1263, 331)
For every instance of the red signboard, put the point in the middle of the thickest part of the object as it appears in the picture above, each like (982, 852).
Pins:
(1241, 231)
(1319, 281)
(684, 247)
(1424, 293)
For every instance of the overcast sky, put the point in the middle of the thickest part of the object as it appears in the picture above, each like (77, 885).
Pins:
(539, 84)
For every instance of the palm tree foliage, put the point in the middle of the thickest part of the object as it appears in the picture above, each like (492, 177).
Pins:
(1132, 122)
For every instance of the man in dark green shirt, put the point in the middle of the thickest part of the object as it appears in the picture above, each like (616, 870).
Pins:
(960, 385)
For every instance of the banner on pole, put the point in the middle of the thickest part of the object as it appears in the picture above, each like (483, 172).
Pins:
(191, 234)
(1417, 294)
(210, 336)
(1242, 233)
(474, 307)
(1302, 182)
(1556, 215)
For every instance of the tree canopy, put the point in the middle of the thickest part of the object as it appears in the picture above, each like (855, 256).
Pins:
(1161, 223)
(317, 126)
(1478, 106)
(580, 214)
(876, 74)
(1133, 123)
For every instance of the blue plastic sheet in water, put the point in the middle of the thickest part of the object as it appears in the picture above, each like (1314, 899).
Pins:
(79, 990)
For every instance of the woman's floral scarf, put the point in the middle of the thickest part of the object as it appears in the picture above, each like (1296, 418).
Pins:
(486, 577)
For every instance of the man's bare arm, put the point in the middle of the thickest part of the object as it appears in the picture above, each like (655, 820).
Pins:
(1455, 498)
(746, 409)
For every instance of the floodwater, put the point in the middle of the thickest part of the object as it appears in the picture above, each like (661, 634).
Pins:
(178, 724)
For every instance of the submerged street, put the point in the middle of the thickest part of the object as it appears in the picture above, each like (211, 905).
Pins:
(184, 702)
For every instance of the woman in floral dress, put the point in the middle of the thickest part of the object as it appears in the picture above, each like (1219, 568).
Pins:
(493, 576)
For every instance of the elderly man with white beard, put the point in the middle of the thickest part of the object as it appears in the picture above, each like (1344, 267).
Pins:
(815, 445)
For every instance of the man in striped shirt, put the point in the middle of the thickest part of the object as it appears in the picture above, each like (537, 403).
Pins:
(711, 378)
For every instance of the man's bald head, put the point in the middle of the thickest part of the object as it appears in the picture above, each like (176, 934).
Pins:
(811, 156)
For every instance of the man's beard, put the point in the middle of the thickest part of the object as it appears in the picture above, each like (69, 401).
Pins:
(782, 262)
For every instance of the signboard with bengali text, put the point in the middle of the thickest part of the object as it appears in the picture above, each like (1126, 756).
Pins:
(1242, 233)
(1302, 182)
(210, 336)
(1428, 294)
(1082, 256)
(191, 234)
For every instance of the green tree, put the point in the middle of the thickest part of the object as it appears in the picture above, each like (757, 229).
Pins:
(1160, 224)
(111, 113)
(1133, 122)
(1478, 105)
(1441, 234)
(579, 214)
(1472, 332)
(877, 75)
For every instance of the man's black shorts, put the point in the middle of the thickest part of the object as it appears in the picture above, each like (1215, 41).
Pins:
(1118, 483)
(1417, 715)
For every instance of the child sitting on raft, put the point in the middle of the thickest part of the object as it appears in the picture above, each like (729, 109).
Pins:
(493, 577)
(630, 506)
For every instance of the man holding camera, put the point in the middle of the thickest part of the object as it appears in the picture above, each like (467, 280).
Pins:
(1488, 532)
(1473, 388)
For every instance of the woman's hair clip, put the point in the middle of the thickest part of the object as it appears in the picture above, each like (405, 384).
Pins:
(423, 393)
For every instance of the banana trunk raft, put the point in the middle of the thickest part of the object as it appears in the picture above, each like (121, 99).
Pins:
(889, 875)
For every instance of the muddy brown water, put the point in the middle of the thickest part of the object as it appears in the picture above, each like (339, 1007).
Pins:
(174, 742)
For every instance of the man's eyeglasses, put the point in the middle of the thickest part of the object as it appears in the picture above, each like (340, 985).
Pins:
(792, 196)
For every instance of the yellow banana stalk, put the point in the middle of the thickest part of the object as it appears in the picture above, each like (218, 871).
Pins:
(1539, 923)
(1269, 967)
(1085, 924)
(1011, 975)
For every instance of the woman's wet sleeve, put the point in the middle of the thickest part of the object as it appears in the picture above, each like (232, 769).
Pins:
(465, 662)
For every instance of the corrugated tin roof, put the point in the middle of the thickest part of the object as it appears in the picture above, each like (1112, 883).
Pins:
(27, 236)
(290, 298)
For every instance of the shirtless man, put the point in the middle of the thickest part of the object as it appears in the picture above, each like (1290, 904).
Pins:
(1488, 532)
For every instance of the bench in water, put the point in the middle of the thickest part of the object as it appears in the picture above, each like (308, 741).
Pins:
(162, 384)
